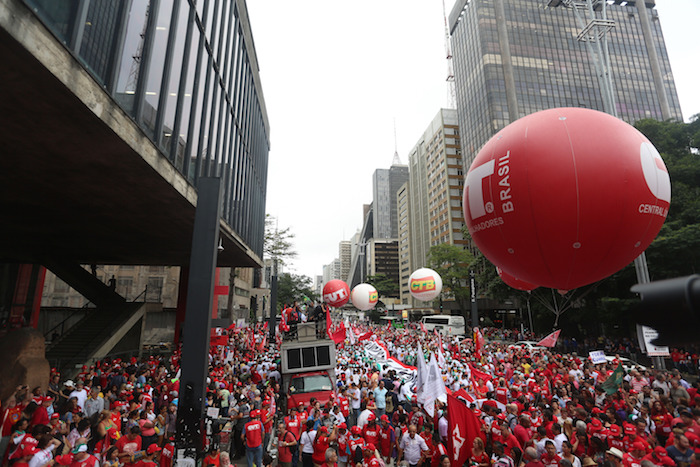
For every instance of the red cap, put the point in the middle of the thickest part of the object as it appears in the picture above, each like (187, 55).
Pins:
(342, 426)
(660, 451)
(630, 429)
(356, 430)
(384, 418)
(29, 450)
(323, 429)
(501, 416)
(596, 410)
(153, 448)
(638, 446)
(595, 425)
(371, 417)
(370, 447)
(615, 430)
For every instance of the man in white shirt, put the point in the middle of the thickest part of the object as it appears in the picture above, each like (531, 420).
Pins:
(81, 394)
(355, 400)
(412, 448)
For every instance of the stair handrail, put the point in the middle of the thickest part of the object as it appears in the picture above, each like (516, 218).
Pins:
(144, 294)
(63, 323)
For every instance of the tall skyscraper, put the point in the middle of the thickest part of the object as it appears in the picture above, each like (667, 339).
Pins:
(402, 204)
(344, 250)
(385, 184)
(516, 57)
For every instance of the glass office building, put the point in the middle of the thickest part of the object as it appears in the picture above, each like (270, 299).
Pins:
(516, 57)
(186, 72)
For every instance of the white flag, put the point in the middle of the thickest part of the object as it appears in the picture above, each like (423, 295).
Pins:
(350, 331)
(421, 375)
(434, 386)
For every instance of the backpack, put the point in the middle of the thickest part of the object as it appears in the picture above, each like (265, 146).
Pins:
(295, 448)
(389, 402)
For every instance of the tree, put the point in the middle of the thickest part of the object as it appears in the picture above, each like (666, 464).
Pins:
(452, 263)
(278, 244)
(293, 287)
(386, 287)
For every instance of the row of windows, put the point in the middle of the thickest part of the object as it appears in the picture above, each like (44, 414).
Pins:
(183, 73)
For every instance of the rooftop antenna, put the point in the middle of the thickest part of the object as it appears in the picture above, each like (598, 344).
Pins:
(396, 160)
(451, 96)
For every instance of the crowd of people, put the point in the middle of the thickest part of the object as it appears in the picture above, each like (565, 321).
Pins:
(535, 408)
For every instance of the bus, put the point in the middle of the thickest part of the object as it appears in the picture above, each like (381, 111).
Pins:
(444, 324)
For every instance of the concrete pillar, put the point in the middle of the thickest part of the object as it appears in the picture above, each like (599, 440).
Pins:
(653, 59)
(507, 61)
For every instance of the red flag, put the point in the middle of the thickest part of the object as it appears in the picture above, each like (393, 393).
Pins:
(463, 429)
(365, 336)
(218, 340)
(422, 328)
(478, 342)
(232, 327)
(328, 322)
(338, 335)
(550, 340)
(478, 374)
(284, 327)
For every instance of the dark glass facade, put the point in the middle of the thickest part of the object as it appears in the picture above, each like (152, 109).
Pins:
(550, 67)
(186, 72)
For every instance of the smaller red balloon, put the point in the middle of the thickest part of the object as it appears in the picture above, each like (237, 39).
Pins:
(336, 293)
(515, 282)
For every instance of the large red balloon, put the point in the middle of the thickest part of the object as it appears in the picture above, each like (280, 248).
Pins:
(565, 197)
(336, 293)
(515, 282)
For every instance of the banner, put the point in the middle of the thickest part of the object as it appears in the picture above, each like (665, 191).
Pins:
(421, 375)
(597, 356)
(550, 340)
(378, 352)
(653, 350)
(463, 428)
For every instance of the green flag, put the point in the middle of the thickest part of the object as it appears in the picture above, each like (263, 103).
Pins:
(614, 381)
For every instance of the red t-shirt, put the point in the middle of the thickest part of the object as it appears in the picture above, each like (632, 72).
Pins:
(371, 434)
(208, 459)
(166, 456)
(385, 438)
(254, 433)
(285, 452)
(293, 425)
(89, 461)
(322, 443)
(126, 445)
(344, 405)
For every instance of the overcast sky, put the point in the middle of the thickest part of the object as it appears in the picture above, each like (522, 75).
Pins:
(336, 75)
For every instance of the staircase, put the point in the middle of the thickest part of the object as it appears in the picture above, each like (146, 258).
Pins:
(94, 336)
(100, 330)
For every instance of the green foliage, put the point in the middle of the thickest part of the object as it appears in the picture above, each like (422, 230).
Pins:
(386, 287)
(452, 262)
(293, 287)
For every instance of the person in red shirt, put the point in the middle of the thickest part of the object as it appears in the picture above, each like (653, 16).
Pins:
(550, 457)
(253, 434)
(634, 457)
(212, 457)
(285, 443)
(522, 430)
(322, 442)
(371, 430)
(149, 459)
(129, 445)
(509, 441)
(167, 455)
(615, 438)
(344, 403)
(479, 457)
(663, 421)
(356, 441)
(387, 439)
(371, 456)
(659, 456)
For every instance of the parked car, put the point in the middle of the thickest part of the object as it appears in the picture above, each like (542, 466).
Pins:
(527, 345)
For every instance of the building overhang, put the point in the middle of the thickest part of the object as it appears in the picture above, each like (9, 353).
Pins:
(79, 179)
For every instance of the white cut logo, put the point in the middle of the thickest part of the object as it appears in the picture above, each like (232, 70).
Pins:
(655, 172)
(474, 184)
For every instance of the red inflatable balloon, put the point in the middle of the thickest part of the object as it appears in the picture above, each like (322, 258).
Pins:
(565, 197)
(514, 282)
(336, 293)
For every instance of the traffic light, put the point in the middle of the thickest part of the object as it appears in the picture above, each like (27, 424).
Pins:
(672, 307)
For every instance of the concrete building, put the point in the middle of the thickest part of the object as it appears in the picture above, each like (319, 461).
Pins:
(404, 214)
(345, 257)
(135, 102)
(436, 184)
(385, 184)
(383, 258)
(516, 57)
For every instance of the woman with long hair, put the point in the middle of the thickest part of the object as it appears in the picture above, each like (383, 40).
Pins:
(663, 420)
(479, 457)
(567, 452)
